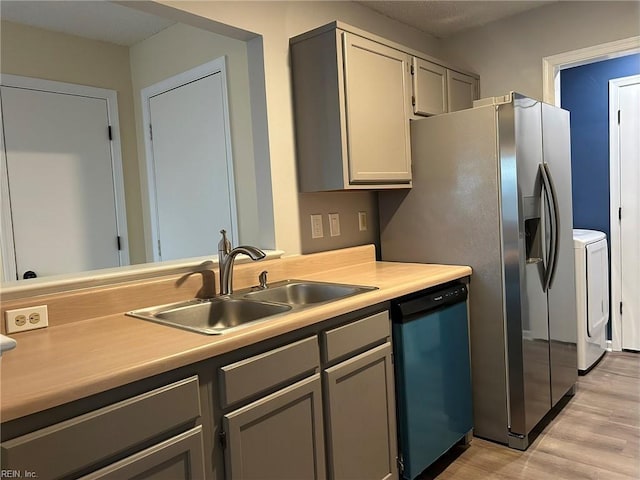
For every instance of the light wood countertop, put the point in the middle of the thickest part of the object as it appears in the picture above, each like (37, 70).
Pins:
(82, 358)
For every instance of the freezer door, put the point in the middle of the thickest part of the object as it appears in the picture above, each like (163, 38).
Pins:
(523, 235)
(562, 292)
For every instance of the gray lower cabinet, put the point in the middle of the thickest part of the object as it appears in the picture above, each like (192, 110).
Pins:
(279, 436)
(179, 458)
(151, 435)
(360, 416)
(280, 414)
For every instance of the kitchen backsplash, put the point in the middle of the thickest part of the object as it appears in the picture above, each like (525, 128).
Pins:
(350, 207)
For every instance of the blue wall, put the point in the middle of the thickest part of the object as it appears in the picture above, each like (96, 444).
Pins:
(585, 93)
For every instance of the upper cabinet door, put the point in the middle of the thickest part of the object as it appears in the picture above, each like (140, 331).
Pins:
(376, 80)
(462, 90)
(352, 106)
(429, 88)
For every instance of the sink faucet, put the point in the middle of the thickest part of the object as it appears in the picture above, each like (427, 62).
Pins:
(226, 257)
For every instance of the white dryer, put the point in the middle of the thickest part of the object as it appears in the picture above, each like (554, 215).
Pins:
(592, 295)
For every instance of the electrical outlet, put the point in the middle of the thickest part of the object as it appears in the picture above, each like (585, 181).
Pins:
(29, 318)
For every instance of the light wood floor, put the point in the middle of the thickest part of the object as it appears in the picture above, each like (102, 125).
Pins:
(595, 436)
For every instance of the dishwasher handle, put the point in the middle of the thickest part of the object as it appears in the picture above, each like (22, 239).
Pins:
(429, 302)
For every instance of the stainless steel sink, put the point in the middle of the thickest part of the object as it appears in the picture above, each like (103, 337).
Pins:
(227, 313)
(213, 317)
(303, 292)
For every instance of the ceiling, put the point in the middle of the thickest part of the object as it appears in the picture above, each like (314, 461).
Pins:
(109, 22)
(445, 18)
(98, 20)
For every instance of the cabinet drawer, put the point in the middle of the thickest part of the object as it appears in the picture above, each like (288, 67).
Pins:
(79, 443)
(355, 336)
(180, 457)
(249, 377)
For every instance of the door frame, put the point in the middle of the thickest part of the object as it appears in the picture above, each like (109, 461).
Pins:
(217, 66)
(7, 246)
(551, 67)
(614, 185)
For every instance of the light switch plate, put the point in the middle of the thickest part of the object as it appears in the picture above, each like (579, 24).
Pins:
(362, 221)
(316, 226)
(334, 224)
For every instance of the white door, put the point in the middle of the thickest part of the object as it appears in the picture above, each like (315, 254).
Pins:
(59, 182)
(627, 91)
(191, 187)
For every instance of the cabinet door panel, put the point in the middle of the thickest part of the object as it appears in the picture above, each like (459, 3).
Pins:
(279, 436)
(178, 458)
(80, 442)
(462, 90)
(429, 88)
(361, 416)
(377, 116)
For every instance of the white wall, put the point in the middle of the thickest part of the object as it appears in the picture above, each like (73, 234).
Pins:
(177, 49)
(508, 54)
(276, 22)
(38, 53)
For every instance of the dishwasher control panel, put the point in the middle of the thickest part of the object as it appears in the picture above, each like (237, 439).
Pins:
(432, 300)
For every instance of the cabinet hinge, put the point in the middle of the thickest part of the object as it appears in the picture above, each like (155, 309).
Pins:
(222, 437)
(109, 132)
(412, 70)
(400, 463)
(119, 243)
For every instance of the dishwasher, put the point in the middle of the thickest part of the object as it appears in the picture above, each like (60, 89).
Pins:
(433, 375)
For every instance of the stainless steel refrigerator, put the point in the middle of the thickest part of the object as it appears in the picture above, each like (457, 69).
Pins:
(492, 189)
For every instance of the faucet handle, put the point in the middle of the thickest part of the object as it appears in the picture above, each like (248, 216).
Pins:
(262, 278)
(224, 245)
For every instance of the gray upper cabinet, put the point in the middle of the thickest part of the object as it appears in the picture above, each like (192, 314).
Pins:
(429, 88)
(354, 95)
(462, 90)
(437, 89)
(352, 108)
(376, 81)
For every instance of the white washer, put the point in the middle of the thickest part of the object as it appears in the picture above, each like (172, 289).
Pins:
(592, 295)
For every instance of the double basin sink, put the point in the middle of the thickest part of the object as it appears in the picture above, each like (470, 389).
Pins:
(227, 313)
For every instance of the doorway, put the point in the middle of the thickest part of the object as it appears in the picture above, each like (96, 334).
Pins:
(606, 213)
(62, 189)
(624, 124)
(186, 118)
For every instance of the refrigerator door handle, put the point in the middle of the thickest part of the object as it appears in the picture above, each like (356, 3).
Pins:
(554, 223)
(556, 228)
